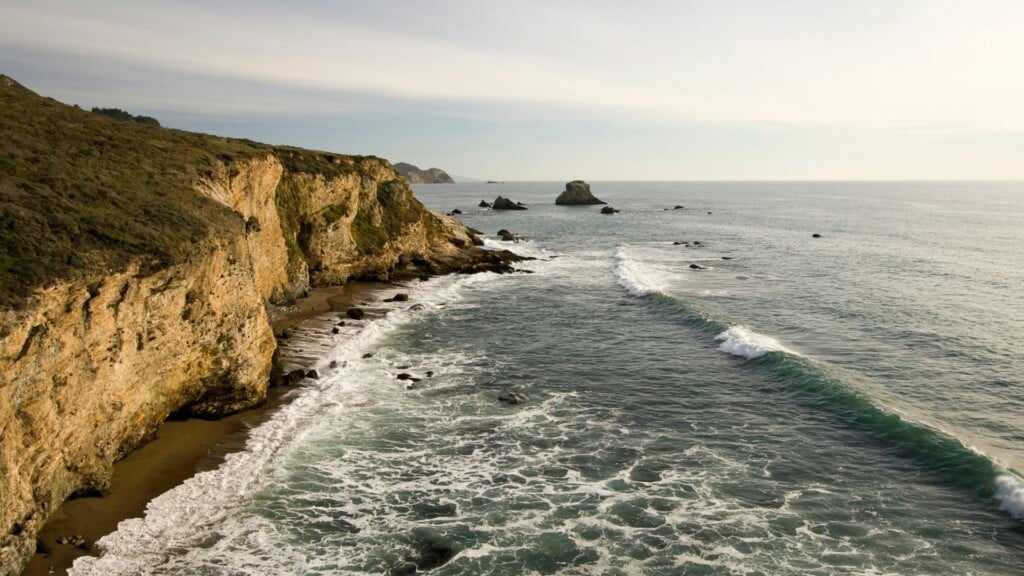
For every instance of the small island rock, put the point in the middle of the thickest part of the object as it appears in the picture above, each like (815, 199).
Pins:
(502, 203)
(577, 192)
(507, 236)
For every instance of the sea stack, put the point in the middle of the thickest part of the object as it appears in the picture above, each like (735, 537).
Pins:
(502, 203)
(577, 192)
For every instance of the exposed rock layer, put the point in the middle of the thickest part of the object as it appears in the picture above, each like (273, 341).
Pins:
(92, 365)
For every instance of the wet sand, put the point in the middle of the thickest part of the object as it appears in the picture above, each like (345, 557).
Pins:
(181, 448)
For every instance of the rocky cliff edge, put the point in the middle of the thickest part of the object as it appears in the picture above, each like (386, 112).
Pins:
(101, 352)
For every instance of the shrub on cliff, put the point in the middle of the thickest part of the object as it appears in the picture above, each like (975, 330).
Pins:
(119, 114)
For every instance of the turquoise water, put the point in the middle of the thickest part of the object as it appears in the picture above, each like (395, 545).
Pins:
(850, 404)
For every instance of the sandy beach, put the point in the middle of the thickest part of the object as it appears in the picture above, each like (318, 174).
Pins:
(181, 449)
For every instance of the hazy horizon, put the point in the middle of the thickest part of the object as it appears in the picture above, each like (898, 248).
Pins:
(672, 91)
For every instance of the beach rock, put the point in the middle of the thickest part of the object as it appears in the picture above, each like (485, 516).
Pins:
(677, 207)
(335, 330)
(507, 236)
(815, 235)
(726, 257)
(608, 210)
(430, 373)
(512, 397)
(400, 297)
(484, 204)
(709, 212)
(367, 355)
(334, 363)
(78, 541)
(577, 193)
(283, 335)
(680, 243)
(696, 242)
(416, 307)
(697, 267)
(294, 377)
(342, 323)
(355, 313)
(409, 377)
(313, 374)
(455, 212)
(502, 203)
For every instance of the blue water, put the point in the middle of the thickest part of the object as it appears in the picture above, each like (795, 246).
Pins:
(852, 403)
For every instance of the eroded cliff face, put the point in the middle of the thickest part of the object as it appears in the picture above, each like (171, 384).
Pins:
(90, 369)
(364, 223)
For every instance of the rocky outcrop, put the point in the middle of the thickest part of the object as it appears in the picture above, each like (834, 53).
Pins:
(502, 203)
(92, 364)
(429, 176)
(577, 192)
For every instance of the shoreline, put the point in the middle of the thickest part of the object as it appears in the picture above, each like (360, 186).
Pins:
(180, 449)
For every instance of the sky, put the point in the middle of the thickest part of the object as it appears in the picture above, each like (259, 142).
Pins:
(558, 90)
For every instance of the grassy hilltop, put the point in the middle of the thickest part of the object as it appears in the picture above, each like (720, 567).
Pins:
(81, 191)
(86, 192)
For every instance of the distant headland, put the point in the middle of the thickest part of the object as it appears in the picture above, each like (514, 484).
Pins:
(429, 176)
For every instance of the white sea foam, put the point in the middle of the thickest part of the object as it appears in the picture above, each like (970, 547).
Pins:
(1010, 493)
(741, 341)
(640, 278)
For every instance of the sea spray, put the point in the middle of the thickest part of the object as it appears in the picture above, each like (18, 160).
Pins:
(641, 278)
(741, 341)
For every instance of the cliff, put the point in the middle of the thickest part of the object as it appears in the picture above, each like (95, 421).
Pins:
(429, 176)
(136, 266)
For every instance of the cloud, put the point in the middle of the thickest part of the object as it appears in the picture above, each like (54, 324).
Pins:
(882, 66)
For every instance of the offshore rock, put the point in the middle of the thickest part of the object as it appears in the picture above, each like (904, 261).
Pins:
(577, 192)
(502, 203)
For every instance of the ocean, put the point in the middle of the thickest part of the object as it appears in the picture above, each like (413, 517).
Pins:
(708, 390)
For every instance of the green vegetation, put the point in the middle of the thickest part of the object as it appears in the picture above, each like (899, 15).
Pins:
(399, 210)
(118, 114)
(335, 212)
(290, 213)
(84, 193)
